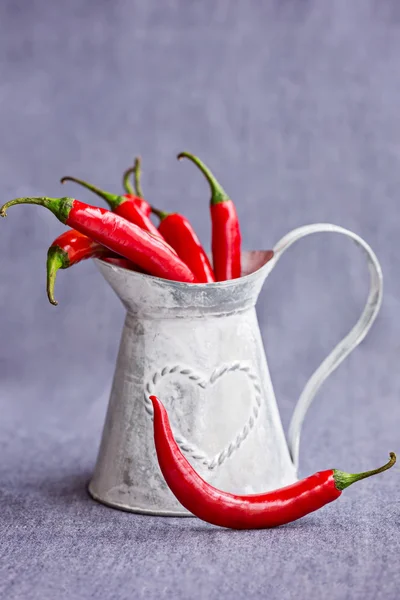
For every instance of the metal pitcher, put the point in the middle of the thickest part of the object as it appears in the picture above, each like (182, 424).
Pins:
(199, 348)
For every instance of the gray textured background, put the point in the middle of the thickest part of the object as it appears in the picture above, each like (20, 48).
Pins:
(295, 105)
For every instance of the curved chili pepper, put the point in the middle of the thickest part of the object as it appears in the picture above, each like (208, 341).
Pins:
(68, 249)
(255, 511)
(71, 247)
(178, 232)
(150, 253)
(121, 206)
(226, 237)
(135, 196)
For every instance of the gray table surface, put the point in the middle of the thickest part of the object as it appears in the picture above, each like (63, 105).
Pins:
(295, 105)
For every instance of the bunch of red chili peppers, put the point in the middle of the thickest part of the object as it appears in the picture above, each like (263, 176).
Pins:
(126, 236)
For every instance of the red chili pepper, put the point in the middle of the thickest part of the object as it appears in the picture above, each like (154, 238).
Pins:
(179, 233)
(150, 253)
(226, 238)
(68, 249)
(256, 511)
(135, 196)
(121, 205)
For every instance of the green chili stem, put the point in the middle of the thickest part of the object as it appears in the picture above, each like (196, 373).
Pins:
(159, 213)
(60, 207)
(137, 173)
(113, 200)
(57, 259)
(128, 187)
(343, 480)
(218, 194)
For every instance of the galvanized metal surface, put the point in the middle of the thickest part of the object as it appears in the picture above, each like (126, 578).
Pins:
(199, 348)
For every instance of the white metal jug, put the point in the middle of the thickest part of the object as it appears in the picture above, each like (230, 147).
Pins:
(199, 348)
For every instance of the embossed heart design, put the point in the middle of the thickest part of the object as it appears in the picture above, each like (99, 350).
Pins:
(204, 382)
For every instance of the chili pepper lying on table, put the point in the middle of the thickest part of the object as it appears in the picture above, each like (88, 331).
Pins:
(70, 248)
(121, 206)
(135, 195)
(148, 252)
(226, 238)
(256, 511)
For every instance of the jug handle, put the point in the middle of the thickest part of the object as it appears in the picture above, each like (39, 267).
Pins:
(349, 342)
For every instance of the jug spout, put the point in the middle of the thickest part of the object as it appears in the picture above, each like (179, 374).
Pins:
(253, 261)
